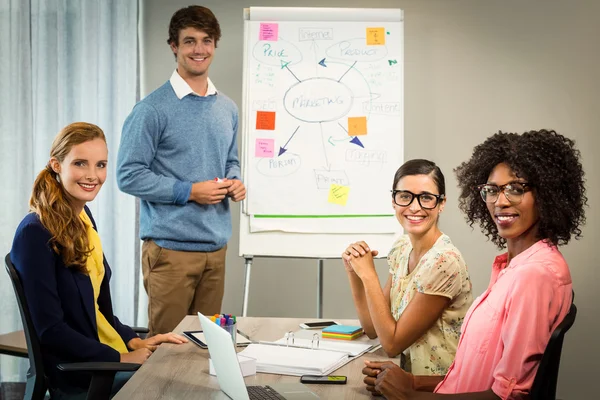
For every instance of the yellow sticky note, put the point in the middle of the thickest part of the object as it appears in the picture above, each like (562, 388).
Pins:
(357, 126)
(338, 194)
(375, 36)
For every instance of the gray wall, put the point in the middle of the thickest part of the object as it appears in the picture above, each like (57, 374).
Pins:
(471, 68)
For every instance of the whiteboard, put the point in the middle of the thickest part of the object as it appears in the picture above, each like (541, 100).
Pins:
(322, 129)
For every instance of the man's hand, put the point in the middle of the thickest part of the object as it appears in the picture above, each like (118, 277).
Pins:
(237, 190)
(210, 192)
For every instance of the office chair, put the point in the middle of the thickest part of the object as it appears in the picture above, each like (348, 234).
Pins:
(103, 373)
(544, 385)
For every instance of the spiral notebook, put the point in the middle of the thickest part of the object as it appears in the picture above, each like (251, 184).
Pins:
(272, 358)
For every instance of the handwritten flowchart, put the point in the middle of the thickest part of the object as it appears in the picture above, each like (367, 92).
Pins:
(324, 117)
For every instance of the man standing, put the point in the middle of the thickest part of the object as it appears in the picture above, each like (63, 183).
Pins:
(178, 154)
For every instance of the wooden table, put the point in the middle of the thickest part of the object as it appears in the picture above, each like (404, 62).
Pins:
(181, 371)
(13, 344)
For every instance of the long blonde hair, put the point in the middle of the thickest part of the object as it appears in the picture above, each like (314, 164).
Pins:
(51, 203)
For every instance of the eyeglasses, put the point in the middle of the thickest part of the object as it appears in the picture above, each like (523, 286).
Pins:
(427, 201)
(513, 191)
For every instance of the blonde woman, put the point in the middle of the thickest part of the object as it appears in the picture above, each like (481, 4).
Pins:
(58, 255)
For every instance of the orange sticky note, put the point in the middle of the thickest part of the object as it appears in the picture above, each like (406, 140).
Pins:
(265, 120)
(375, 36)
(357, 126)
(338, 194)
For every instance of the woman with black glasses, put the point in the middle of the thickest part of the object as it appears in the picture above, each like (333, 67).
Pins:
(527, 194)
(420, 310)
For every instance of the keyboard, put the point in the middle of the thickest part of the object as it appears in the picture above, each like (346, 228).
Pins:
(263, 392)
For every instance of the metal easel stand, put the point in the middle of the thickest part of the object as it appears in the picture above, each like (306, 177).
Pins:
(248, 267)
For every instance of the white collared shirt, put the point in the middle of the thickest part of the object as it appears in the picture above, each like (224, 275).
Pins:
(182, 89)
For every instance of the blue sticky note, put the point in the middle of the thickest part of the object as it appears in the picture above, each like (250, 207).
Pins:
(342, 329)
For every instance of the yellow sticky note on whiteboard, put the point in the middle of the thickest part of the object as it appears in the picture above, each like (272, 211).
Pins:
(338, 194)
(375, 36)
(357, 126)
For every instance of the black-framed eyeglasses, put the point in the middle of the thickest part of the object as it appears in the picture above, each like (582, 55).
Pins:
(427, 201)
(513, 191)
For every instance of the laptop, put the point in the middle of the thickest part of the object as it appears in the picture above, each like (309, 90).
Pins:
(229, 373)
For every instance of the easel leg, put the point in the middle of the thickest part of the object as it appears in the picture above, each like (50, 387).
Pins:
(248, 264)
(320, 290)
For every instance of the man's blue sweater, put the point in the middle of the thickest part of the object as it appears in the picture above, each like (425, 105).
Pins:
(167, 144)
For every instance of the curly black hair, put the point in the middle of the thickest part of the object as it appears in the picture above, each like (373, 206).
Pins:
(549, 162)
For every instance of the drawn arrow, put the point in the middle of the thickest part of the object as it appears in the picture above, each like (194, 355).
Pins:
(352, 66)
(322, 63)
(331, 140)
(355, 140)
(284, 64)
(283, 149)
(328, 166)
(314, 47)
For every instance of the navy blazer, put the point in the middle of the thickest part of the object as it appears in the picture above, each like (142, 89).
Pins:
(61, 302)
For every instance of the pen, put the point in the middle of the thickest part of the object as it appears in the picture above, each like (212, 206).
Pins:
(218, 180)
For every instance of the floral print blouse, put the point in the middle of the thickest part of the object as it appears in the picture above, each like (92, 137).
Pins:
(442, 271)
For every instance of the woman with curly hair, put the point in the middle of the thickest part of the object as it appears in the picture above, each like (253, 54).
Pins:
(58, 256)
(527, 194)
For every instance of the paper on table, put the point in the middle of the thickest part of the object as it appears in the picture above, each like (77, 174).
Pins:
(278, 359)
(354, 349)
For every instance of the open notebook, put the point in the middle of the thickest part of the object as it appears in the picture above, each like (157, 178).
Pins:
(305, 338)
(353, 349)
(284, 360)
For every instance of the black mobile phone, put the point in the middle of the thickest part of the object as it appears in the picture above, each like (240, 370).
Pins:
(317, 324)
(331, 379)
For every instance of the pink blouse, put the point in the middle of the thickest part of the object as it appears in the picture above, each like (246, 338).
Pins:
(506, 330)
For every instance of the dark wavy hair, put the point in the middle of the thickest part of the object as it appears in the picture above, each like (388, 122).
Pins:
(549, 162)
(197, 17)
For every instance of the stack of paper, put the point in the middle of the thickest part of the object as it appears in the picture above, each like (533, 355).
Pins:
(343, 332)
(353, 349)
(288, 360)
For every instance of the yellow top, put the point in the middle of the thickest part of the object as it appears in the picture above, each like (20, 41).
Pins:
(95, 265)
(441, 271)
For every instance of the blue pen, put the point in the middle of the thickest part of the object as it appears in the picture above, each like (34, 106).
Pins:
(218, 321)
(226, 318)
(230, 322)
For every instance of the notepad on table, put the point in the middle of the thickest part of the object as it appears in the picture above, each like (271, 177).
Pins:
(343, 332)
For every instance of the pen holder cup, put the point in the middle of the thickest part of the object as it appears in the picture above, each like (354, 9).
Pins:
(232, 330)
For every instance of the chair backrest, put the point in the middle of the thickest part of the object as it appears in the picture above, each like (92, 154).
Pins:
(544, 385)
(36, 379)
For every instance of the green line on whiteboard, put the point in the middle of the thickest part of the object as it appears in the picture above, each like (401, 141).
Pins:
(325, 216)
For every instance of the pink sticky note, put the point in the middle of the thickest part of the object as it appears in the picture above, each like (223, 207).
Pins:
(268, 31)
(264, 148)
